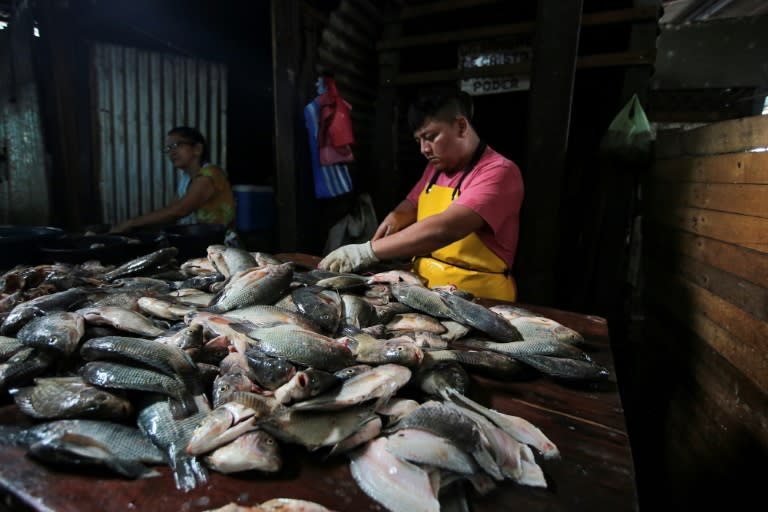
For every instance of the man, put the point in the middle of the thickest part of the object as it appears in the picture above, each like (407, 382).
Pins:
(460, 222)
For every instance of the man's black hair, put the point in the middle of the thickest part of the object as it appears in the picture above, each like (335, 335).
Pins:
(443, 104)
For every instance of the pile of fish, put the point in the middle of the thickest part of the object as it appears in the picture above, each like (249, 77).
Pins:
(214, 362)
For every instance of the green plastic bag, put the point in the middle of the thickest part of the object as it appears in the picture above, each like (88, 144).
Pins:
(629, 136)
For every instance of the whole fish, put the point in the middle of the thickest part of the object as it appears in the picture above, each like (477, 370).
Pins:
(480, 317)
(121, 319)
(258, 285)
(303, 347)
(202, 282)
(168, 359)
(316, 429)
(415, 322)
(566, 367)
(538, 327)
(230, 260)
(59, 331)
(536, 346)
(163, 308)
(483, 362)
(192, 297)
(380, 382)
(143, 264)
(264, 315)
(219, 325)
(422, 299)
(119, 376)
(26, 311)
(256, 450)
(370, 350)
(264, 258)
(519, 428)
(120, 447)
(69, 397)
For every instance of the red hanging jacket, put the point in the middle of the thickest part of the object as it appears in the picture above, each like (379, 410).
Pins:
(334, 135)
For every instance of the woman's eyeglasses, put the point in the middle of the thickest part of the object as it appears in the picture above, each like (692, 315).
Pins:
(172, 147)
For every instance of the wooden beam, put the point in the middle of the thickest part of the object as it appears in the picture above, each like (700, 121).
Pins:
(733, 136)
(552, 78)
(749, 168)
(513, 29)
(285, 49)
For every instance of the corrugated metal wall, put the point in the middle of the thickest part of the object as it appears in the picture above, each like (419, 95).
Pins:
(139, 96)
(23, 177)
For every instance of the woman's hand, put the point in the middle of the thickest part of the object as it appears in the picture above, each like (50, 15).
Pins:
(122, 227)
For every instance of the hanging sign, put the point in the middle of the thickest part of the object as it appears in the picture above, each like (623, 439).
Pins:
(480, 56)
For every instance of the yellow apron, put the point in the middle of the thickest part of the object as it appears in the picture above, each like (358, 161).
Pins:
(467, 263)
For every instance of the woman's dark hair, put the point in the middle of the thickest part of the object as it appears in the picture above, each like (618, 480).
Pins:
(441, 105)
(192, 135)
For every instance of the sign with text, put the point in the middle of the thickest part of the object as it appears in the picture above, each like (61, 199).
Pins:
(480, 56)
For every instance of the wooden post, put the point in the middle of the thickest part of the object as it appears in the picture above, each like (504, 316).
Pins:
(285, 45)
(552, 76)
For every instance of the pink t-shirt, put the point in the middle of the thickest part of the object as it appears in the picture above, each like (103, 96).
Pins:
(494, 190)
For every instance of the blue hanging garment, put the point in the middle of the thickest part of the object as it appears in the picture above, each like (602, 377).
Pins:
(330, 180)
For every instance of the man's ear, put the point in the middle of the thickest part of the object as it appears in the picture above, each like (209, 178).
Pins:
(463, 125)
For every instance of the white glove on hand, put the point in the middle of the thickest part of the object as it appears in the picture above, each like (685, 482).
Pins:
(349, 258)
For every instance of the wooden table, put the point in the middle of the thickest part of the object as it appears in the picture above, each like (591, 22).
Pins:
(586, 421)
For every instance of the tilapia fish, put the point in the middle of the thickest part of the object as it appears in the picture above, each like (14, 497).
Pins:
(122, 319)
(143, 264)
(258, 285)
(26, 311)
(120, 447)
(69, 397)
(60, 331)
(302, 347)
(480, 317)
(230, 260)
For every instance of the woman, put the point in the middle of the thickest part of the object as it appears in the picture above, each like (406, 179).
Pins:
(205, 193)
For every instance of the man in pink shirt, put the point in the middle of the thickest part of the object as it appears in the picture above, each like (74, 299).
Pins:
(460, 222)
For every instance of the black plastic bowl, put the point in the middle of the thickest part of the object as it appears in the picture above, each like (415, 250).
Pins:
(78, 248)
(192, 240)
(20, 245)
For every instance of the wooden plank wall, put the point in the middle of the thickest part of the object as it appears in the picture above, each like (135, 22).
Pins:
(704, 360)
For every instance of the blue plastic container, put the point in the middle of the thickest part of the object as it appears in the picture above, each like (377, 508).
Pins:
(255, 208)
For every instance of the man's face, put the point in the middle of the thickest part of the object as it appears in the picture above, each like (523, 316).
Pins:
(439, 142)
